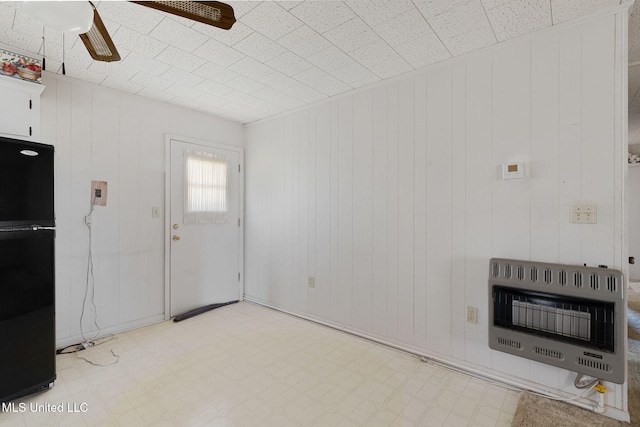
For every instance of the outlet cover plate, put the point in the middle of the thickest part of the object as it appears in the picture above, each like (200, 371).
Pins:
(584, 214)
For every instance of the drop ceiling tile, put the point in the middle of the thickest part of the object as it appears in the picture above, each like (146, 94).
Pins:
(519, 17)
(355, 75)
(352, 35)
(259, 47)
(137, 42)
(423, 51)
(277, 97)
(142, 63)
(305, 93)
(215, 72)
(7, 15)
(118, 70)
(278, 81)
(334, 87)
(85, 75)
(374, 53)
(330, 59)
(123, 85)
(212, 100)
(181, 77)
(131, 15)
(184, 101)
(182, 91)
(218, 53)
(388, 69)
(375, 12)
(242, 7)
(23, 22)
(251, 68)
(323, 15)
(229, 37)
(178, 35)
(271, 20)
(431, 8)
(463, 28)
(490, 4)
(180, 59)
(212, 88)
(409, 26)
(288, 4)
(314, 77)
(566, 10)
(21, 40)
(266, 107)
(156, 94)
(245, 85)
(239, 97)
(287, 101)
(304, 42)
(289, 63)
(150, 81)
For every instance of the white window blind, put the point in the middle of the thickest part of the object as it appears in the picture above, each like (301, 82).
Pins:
(206, 188)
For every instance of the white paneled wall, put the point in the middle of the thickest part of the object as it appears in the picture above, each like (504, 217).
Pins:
(101, 134)
(391, 198)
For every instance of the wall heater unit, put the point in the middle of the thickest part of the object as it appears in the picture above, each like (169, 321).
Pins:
(568, 316)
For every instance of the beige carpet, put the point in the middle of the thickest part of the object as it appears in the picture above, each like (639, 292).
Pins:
(536, 411)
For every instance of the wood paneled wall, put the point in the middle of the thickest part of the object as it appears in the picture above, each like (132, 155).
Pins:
(391, 198)
(101, 134)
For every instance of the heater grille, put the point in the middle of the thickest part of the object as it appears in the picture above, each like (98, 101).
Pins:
(593, 364)
(510, 343)
(548, 353)
(569, 316)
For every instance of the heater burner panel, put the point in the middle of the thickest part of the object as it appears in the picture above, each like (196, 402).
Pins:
(563, 315)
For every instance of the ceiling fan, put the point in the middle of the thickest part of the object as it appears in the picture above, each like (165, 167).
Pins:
(94, 34)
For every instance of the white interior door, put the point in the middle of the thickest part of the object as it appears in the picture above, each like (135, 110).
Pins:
(204, 226)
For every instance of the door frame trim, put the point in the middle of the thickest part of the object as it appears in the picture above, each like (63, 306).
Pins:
(167, 211)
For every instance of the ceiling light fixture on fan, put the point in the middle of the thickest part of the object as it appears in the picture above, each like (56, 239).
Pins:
(79, 17)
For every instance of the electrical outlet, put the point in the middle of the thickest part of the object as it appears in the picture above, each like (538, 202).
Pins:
(472, 314)
(312, 282)
(584, 214)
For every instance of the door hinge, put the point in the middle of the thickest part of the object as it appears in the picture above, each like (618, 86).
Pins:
(30, 105)
(238, 168)
(30, 131)
(238, 277)
(238, 222)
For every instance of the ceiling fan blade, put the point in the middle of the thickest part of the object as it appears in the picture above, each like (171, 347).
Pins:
(208, 12)
(98, 41)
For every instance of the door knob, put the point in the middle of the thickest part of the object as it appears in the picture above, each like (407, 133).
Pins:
(175, 226)
(176, 237)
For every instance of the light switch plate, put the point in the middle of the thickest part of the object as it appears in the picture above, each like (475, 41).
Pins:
(584, 214)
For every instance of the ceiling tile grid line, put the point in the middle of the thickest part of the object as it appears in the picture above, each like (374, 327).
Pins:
(280, 55)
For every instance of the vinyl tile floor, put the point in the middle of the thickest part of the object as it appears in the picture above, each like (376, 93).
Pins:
(247, 365)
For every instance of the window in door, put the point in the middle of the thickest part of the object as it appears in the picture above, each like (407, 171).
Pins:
(206, 179)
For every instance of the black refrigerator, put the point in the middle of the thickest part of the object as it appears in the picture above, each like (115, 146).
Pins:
(27, 271)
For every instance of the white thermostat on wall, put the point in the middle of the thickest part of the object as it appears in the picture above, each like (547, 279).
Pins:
(513, 171)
